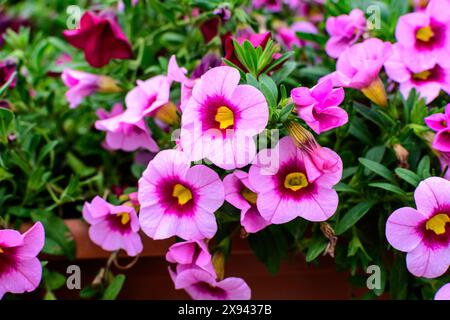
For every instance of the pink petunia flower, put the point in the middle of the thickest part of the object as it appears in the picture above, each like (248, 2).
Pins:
(424, 233)
(241, 194)
(100, 38)
(201, 285)
(177, 199)
(121, 134)
(221, 119)
(443, 293)
(7, 69)
(344, 31)
(440, 122)
(82, 84)
(426, 35)
(20, 270)
(188, 254)
(358, 67)
(270, 5)
(410, 73)
(319, 106)
(292, 182)
(288, 36)
(147, 97)
(113, 227)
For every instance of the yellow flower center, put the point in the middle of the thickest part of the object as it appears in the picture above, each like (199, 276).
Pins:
(182, 193)
(424, 75)
(124, 217)
(225, 117)
(295, 181)
(438, 223)
(1, 250)
(249, 195)
(425, 34)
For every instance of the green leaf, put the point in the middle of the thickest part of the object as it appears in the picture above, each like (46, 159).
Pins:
(407, 175)
(270, 246)
(375, 154)
(388, 187)
(353, 216)
(345, 188)
(6, 119)
(399, 279)
(359, 130)
(423, 168)
(114, 288)
(57, 231)
(316, 247)
(6, 85)
(269, 89)
(378, 168)
(54, 280)
(316, 38)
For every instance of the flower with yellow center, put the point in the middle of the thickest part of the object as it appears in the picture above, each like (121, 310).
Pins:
(425, 34)
(249, 195)
(225, 117)
(295, 181)
(438, 223)
(183, 194)
(124, 217)
(424, 75)
(1, 250)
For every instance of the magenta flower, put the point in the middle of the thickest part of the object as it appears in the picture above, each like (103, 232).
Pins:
(424, 233)
(177, 199)
(270, 5)
(358, 67)
(82, 84)
(20, 270)
(344, 31)
(439, 122)
(189, 254)
(7, 69)
(288, 36)
(293, 182)
(113, 227)
(121, 134)
(425, 35)
(443, 293)
(201, 285)
(178, 74)
(319, 106)
(411, 73)
(242, 195)
(100, 38)
(147, 97)
(221, 118)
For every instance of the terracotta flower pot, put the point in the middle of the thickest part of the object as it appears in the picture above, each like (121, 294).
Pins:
(149, 278)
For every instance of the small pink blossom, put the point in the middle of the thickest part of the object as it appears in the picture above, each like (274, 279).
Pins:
(424, 233)
(443, 293)
(344, 31)
(20, 270)
(288, 36)
(241, 194)
(147, 97)
(292, 182)
(177, 199)
(427, 79)
(425, 35)
(221, 118)
(270, 5)
(122, 134)
(113, 227)
(439, 122)
(358, 66)
(187, 254)
(201, 285)
(319, 106)
(81, 84)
